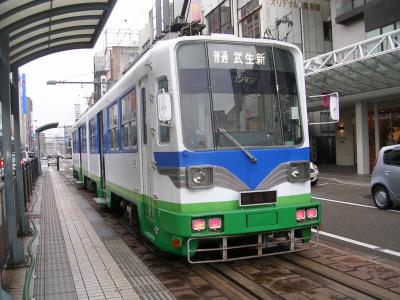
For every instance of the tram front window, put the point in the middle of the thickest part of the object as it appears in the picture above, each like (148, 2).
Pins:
(240, 90)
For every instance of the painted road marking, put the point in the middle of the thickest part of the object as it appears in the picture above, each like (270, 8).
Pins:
(345, 182)
(369, 246)
(349, 203)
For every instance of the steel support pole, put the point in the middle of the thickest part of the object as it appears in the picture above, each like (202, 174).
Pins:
(376, 129)
(362, 138)
(16, 248)
(38, 153)
(23, 222)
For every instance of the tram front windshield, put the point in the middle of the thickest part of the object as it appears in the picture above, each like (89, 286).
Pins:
(233, 88)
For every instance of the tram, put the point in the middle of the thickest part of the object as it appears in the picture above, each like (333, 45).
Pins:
(206, 138)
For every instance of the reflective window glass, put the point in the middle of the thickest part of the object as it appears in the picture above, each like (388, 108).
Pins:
(391, 157)
(113, 126)
(343, 6)
(128, 123)
(163, 129)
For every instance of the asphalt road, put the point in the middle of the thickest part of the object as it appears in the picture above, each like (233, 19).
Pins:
(348, 212)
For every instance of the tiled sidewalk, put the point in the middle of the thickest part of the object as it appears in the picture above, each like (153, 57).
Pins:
(74, 259)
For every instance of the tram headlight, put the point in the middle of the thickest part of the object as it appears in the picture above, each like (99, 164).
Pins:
(200, 177)
(299, 171)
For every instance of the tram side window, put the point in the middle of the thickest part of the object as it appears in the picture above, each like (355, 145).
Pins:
(92, 129)
(83, 135)
(129, 120)
(113, 126)
(162, 128)
(75, 142)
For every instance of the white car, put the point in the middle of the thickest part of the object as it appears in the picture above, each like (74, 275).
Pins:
(27, 155)
(314, 173)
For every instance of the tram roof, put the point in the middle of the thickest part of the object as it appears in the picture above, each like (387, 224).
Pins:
(36, 28)
(366, 70)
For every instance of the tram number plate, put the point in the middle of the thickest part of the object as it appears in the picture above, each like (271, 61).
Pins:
(257, 198)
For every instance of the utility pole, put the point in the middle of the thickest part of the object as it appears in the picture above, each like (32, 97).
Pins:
(301, 5)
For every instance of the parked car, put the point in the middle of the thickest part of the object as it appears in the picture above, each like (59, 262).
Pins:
(385, 179)
(314, 173)
(27, 155)
(2, 166)
(52, 160)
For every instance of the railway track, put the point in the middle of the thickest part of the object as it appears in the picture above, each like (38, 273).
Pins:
(280, 277)
(277, 277)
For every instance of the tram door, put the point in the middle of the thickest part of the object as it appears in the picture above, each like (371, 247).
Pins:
(146, 153)
(100, 133)
(80, 152)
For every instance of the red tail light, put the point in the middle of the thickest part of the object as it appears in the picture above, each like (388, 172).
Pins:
(1, 163)
(214, 223)
(300, 214)
(312, 213)
(198, 224)
(22, 162)
(176, 243)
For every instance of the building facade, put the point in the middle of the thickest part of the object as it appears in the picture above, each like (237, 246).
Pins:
(306, 24)
(370, 118)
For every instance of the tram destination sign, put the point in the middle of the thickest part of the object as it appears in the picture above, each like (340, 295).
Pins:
(240, 56)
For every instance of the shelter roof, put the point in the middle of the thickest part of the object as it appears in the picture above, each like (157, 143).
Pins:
(368, 67)
(36, 28)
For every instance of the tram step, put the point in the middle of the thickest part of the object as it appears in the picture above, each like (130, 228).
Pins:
(101, 201)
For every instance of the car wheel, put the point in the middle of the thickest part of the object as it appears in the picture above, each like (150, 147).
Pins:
(314, 183)
(381, 197)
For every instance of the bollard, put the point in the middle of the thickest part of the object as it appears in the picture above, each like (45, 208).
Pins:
(58, 163)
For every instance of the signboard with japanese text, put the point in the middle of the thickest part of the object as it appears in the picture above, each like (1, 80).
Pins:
(296, 4)
(240, 56)
(241, 68)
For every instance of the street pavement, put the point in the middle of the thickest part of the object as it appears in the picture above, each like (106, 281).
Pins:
(349, 215)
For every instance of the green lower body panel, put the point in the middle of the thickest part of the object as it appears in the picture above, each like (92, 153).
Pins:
(175, 228)
(169, 225)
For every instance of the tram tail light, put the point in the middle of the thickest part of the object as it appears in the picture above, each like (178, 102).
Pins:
(214, 223)
(176, 243)
(300, 214)
(198, 224)
(312, 213)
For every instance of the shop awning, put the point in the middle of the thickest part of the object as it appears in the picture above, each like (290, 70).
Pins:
(371, 67)
(40, 27)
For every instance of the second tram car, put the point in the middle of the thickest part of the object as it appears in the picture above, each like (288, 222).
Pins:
(207, 138)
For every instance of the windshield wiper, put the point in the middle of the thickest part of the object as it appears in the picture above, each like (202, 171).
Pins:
(235, 141)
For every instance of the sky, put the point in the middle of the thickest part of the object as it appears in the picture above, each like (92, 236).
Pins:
(56, 103)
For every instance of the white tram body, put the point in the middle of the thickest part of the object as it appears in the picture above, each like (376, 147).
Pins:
(233, 158)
